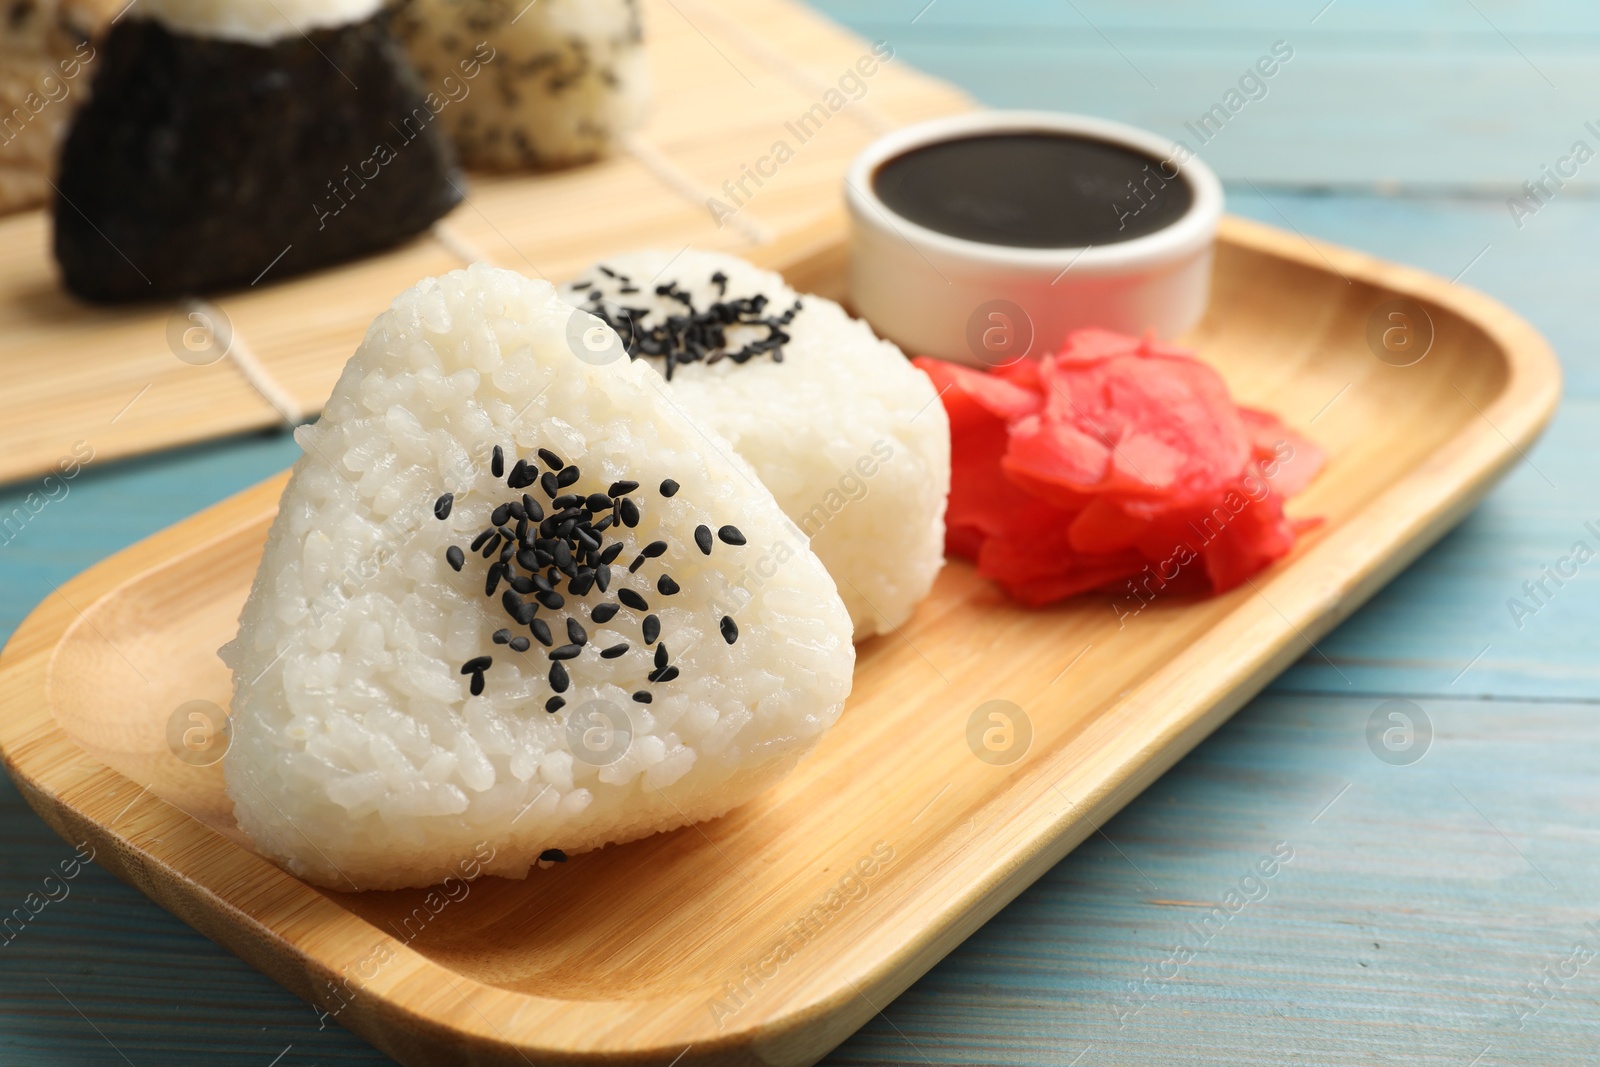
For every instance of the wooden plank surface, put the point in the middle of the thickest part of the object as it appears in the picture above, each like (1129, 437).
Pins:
(1460, 928)
(1427, 94)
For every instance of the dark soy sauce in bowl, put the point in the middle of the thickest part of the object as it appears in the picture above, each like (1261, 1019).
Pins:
(1033, 190)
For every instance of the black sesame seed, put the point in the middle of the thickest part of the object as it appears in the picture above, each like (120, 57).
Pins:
(666, 586)
(602, 576)
(558, 678)
(575, 633)
(661, 655)
(597, 502)
(547, 482)
(517, 608)
(501, 516)
(731, 536)
(653, 549)
(492, 581)
(477, 685)
(730, 630)
(603, 613)
(441, 507)
(638, 561)
(553, 855)
(669, 488)
(555, 704)
(652, 629)
(553, 601)
(541, 632)
(541, 583)
(614, 651)
(567, 500)
(528, 559)
(477, 665)
(533, 509)
(579, 586)
(663, 674)
(501, 637)
(523, 586)
(610, 555)
(522, 475)
(494, 544)
(702, 537)
(633, 600)
(629, 511)
(622, 488)
(641, 697)
(497, 462)
(519, 644)
(566, 652)
(479, 541)
(551, 460)
(567, 476)
(455, 557)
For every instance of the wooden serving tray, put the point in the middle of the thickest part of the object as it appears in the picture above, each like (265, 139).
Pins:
(730, 76)
(769, 935)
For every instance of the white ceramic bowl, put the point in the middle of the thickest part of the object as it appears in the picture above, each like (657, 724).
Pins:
(986, 304)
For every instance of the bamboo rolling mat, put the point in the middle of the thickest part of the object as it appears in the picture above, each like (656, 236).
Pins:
(732, 78)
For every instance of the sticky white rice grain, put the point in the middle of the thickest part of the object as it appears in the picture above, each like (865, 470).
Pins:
(360, 759)
(848, 435)
(253, 21)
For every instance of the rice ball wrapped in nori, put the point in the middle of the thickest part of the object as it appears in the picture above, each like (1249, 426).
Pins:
(567, 79)
(845, 432)
(485, 612)
(229, 138)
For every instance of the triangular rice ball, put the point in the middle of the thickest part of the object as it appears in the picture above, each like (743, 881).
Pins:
(411, 688)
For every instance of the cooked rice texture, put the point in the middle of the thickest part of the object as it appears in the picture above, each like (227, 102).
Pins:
(847, 434)
(361, 760)
(552, 84)
(253, 21)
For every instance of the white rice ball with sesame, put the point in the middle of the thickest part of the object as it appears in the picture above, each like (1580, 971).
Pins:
(848, 435)
(397, 709)
(525, 84)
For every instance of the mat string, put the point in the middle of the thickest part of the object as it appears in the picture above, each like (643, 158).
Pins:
(779, 60)
(689, 187)
(255, 372)
(458, 244)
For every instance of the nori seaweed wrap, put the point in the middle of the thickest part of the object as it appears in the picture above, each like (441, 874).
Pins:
(201, 162)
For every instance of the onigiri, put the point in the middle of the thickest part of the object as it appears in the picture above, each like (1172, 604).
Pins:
(562, 80)
(514, 597)
(848, 435)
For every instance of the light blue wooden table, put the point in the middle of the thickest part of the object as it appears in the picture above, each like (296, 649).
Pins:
(1433, 913)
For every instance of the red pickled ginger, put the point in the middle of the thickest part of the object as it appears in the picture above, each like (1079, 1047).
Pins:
(1117, 461)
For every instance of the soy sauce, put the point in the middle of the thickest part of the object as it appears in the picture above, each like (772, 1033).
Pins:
(1034, 190)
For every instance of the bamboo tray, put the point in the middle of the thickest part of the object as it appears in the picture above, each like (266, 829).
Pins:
(730, 77)
(891, 843)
